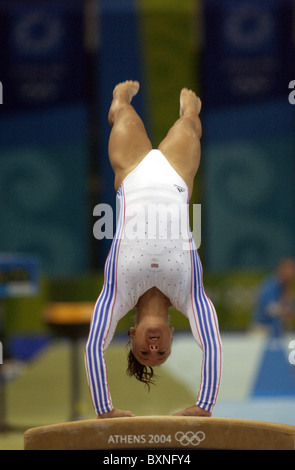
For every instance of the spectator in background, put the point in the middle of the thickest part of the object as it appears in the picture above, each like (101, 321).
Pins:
(275, 304)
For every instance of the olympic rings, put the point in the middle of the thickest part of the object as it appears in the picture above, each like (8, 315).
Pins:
(190, 438)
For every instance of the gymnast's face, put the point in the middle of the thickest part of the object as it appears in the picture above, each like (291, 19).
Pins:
(151, 345)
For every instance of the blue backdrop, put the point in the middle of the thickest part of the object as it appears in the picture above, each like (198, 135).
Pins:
(248, 151)
(43, 140)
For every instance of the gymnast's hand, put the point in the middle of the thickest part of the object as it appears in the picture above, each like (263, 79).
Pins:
(116, 414)
(193, 411)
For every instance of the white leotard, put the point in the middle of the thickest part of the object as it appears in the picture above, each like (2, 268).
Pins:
(153, 247)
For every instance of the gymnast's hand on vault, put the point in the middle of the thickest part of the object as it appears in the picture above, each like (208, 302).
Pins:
(116, 414)
(193, 411)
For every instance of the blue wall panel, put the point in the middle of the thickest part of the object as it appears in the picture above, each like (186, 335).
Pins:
(248, 150)
(43, 140)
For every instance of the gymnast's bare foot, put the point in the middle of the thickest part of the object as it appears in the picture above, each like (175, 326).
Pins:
(189, 102)
(122, 96)
(116, 414)
(193, 411)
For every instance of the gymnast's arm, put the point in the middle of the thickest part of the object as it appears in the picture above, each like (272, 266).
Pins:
(102, 329)
(204, 326)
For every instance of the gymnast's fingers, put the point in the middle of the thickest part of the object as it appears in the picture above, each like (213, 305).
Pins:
(114, 413)
(193, 411)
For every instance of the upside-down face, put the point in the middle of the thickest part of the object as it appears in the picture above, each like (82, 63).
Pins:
(151, 345)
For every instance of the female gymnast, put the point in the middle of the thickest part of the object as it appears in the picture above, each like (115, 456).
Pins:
(149, 266)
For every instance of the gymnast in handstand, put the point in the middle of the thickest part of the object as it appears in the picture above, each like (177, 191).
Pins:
(149, 266)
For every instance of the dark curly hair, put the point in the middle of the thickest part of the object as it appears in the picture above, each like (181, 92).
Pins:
(141, 372)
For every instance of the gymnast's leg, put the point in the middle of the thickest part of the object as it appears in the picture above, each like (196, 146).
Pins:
(182, 146)
(128, 143)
